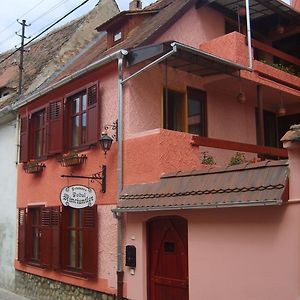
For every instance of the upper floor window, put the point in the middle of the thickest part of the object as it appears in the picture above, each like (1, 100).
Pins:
(61, 126)
(185, 113)
(78, 105)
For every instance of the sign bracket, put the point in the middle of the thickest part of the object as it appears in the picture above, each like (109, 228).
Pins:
(99, 177)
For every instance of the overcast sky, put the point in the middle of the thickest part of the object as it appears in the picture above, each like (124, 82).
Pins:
(40, 14)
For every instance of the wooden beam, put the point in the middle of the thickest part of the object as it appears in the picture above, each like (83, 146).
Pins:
(268, 49)
(235, 146)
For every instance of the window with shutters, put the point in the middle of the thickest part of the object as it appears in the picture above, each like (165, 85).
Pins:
(56, 240)
(38, 236)
(80, 241)
(83, 121)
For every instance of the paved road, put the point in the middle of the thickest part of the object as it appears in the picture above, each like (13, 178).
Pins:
(7, 295)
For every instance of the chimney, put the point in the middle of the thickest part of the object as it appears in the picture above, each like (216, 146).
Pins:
(135, 5)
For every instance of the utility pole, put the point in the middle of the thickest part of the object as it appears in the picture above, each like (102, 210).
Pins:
(22, 50)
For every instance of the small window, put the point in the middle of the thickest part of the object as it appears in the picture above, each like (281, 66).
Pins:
(117, 36)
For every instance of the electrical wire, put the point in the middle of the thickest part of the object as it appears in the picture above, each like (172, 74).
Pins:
(43, 31)
(49, 10)
(22, 16)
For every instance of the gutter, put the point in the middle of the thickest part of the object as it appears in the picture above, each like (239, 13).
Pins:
(107, 59)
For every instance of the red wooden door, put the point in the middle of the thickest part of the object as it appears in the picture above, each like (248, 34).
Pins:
(168, 259)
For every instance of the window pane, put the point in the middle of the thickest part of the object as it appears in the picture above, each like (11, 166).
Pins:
(80, 246)
(38, 145)
(72, 248)
(35, 244)
(75, 105)
(83, 129)
(173, 112)
(75, 131)
(35, 216)
(72, 217)
(84, 102)
(196, 112)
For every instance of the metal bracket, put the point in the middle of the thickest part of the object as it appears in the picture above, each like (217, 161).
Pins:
(100, 177)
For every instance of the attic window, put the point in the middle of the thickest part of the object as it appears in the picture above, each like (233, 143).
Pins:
(117, 36)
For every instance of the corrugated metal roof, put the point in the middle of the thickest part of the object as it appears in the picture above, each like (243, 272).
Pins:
(260, 8)
(243, 185)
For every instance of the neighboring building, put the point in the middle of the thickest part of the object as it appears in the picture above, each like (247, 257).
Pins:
(46, 58)
(178, 78)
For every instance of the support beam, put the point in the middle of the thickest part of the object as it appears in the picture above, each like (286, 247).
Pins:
(260, 112)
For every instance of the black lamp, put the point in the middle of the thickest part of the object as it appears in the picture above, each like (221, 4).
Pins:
(105, 142)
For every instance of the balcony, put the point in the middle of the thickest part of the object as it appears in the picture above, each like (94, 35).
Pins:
(149, 154)
(268, 62)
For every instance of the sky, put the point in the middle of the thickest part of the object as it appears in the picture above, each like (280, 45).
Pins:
(40, 14)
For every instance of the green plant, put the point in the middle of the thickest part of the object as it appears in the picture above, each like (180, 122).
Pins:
(287, 69)
(237, 159)
(207, 159)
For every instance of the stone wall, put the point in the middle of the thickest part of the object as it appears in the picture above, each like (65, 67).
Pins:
(36, 287)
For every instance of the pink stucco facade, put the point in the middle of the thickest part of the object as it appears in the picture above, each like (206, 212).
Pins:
(234, 253)
(238, 253)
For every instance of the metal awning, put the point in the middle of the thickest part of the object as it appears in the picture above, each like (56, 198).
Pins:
(184, 58)
(258, 8)
(257, 184)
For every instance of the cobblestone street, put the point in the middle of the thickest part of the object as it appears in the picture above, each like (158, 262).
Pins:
(7, 295)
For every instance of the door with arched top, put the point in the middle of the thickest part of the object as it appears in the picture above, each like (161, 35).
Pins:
(168, 259)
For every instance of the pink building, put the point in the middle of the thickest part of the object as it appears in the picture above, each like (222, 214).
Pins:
(191, 92)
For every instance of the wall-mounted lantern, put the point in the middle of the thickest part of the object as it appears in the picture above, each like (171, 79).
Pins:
(105, 140)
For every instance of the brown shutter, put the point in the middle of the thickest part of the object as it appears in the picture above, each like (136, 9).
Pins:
(24, 136)
(45, 238)
(93, 130)
(90, 242)
(55, 127)
(22, 235)
(55, 222)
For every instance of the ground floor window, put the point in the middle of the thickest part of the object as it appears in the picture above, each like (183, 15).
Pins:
(59, 238)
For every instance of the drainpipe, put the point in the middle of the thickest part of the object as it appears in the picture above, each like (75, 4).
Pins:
(119, 216)
(249, 33)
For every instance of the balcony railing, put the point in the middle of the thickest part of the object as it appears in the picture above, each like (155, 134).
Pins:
(288, 63)
(240, 147)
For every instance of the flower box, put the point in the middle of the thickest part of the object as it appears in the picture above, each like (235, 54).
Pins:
(72, 159)
(33, 167)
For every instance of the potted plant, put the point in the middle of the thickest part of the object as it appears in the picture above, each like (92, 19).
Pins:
(72, 159)
(33, 166)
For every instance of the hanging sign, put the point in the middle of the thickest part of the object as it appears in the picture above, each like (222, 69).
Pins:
(78, 196)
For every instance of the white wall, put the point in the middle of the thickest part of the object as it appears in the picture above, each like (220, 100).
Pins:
(8, 183)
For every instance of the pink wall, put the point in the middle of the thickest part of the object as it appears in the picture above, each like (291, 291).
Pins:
(201, 24)
(296, 4)
(238, 253)
(143, 106)
(44, 189)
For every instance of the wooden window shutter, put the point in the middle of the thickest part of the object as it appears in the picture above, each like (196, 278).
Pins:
(22, 234)
(90, 242)
(55, 127)
(93, 121)
(24, 138)
(56, 229)
(45, 237)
